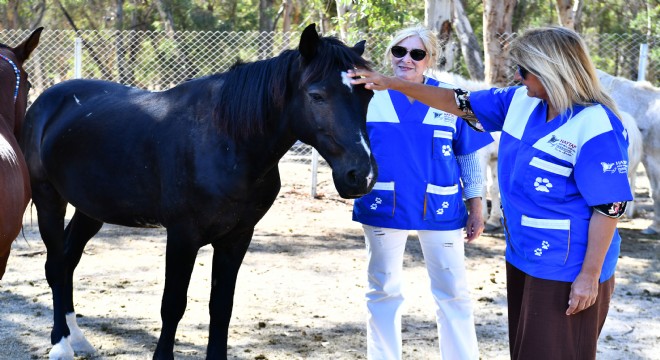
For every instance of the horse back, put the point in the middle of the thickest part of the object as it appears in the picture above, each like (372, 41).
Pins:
(145, 156)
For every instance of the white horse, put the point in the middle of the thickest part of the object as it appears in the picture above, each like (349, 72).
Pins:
(488, 156)
(642, 101)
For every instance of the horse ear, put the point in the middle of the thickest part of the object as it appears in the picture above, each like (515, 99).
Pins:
(24, 50)
(359, 47)
(309, 42)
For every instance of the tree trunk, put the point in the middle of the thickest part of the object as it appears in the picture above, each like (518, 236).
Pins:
(569, 12)
(437, 17)
(266, 15)
(166, 17)
(12, 14)
(346, 16)
(266, 28)
(498, 15)
(469, 44)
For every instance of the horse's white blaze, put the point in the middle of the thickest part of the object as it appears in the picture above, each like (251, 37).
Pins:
(370, 176)
(6, 151)
(61, 351)
(77, 338)
(346, 80)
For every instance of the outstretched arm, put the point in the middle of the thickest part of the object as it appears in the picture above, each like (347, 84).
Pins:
(436, 97)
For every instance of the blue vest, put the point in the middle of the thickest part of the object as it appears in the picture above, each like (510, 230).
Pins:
(415, 146)
(550, 175)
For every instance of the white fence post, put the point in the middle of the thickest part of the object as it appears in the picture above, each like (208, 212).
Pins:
(643, 61)
(315, 168)
(77, 59)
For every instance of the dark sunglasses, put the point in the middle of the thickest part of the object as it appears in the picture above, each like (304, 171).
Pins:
(415, 54)
(522, 72)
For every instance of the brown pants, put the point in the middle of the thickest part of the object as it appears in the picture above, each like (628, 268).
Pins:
(539, 328)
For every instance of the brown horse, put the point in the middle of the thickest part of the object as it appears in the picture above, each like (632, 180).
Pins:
(14, 180)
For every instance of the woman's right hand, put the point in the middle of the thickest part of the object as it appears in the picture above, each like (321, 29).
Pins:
(372, 80)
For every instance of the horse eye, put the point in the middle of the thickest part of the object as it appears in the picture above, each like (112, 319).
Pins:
(316, 97)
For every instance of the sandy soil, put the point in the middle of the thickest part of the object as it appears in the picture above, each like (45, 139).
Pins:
(300, 290)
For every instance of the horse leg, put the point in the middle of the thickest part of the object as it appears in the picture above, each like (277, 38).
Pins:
(493, 222)
(51, 209)
(227, 261)
(652, 167)
(78, 232)
(180, 254)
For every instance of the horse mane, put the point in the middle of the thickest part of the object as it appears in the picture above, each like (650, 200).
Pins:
(254, 93)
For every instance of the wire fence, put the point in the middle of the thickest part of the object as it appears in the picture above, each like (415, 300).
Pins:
(159, 60)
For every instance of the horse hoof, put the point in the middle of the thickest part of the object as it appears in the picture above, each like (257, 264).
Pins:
(61, 351)
(82, 346)
(650, 231)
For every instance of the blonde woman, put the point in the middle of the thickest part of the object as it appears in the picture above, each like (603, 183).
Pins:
(562, 173)
(427, 165)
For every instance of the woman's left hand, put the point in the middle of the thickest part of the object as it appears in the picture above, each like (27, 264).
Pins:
(475, 222)
(584, 291)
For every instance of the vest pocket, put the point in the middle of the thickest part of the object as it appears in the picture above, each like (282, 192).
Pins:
(546, 241)
(442, 149)
(545, 180)
(441, 203)
(381, 201)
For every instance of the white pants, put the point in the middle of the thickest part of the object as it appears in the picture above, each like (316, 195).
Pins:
(445, 263)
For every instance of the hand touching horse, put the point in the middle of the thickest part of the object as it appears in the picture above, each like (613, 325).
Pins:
(200, 159)
(14, 180)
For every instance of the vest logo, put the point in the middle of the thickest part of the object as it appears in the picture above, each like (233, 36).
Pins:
(608, 167)
(542, 184)
(441, 210)
(553, 140)
(562, 146)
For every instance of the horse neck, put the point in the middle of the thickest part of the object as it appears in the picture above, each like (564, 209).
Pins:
(8, 124)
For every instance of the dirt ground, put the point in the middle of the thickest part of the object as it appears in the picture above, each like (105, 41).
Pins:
(300, 292)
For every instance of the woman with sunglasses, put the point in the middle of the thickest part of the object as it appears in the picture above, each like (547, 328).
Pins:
(562, 173)
(427, 165)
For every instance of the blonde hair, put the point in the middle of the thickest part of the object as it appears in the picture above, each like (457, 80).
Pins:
(560, 59)
(427, 37)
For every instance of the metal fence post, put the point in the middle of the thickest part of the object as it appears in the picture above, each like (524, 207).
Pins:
(643, 61)
(77, 59)
(315, 167)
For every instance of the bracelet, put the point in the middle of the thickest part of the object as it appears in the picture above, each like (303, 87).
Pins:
(463, 102)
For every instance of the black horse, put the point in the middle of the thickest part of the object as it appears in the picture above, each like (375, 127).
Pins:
(200, 159)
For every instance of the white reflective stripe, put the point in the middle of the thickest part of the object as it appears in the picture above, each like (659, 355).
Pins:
(546, 223)
(442, 134)
(441, 190)
(520, 110)
(384, 186)
(553, 168)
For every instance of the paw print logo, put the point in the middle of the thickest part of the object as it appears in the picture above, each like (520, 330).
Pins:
(542, 184)
(538, 252)
(440, 211)
(446, 150)
(377, 201)
(545, 245)
(445, 205)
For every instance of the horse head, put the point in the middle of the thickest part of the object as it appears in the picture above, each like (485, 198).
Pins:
(331, 113)
(15, 86)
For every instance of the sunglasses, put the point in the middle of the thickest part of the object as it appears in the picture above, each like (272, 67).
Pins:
(522, 72)
(415, 54)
